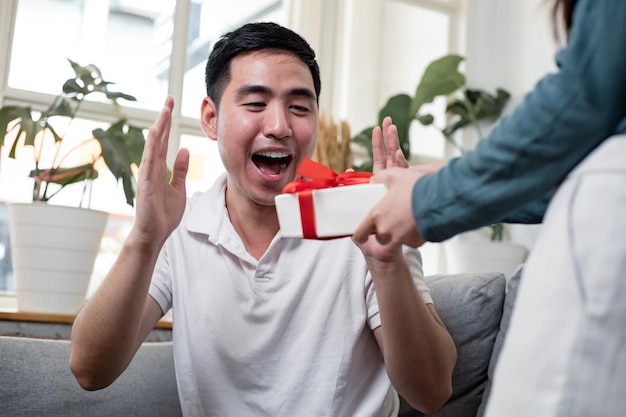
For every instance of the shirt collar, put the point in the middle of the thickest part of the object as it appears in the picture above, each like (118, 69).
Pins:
(207, 209)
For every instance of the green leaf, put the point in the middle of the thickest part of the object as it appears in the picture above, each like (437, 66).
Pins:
(89, 76)
(426, 119)
(441, 77)
(62, 106)
(477, 105)
(364, 139)
(65, 176)
(26, 125)
(112, 95)
(10, 114)
(135, 142)
(72, 88)
(122, 146)
(487, 105)
(459, 115)
(89, 80)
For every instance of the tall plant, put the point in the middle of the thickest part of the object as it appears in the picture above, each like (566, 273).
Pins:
(466, 108)
(121, 144)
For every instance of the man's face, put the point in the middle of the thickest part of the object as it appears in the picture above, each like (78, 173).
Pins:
(266, 123)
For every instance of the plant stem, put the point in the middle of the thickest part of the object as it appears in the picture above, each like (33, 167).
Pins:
(497, 232)
(455, 145)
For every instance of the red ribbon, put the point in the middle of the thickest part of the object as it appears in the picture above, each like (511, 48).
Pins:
(319, 176)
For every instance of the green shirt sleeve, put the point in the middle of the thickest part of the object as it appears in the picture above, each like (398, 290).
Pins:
(512, 172)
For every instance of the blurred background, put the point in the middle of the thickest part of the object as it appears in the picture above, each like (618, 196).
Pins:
(368, 50)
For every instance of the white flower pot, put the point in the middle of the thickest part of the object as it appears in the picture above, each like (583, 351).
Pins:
(483, 256)
(54, 249)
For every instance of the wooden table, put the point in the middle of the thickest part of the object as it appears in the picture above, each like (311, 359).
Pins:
(58, 326)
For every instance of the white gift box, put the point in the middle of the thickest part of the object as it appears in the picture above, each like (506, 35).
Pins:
(337, 211)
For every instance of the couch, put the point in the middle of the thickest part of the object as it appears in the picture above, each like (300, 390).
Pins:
(36, 380)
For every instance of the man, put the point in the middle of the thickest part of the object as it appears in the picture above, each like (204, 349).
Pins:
(263, 325)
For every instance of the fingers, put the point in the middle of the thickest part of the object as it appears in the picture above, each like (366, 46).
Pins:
(164, 124)
(155, 148)
(390, 140)
(366, 228)
(384, 177)
(401, 160)
(386, 149)
(179, 172)
(159, 131)
(378, 151)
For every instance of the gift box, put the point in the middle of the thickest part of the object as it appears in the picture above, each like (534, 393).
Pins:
(325, 204)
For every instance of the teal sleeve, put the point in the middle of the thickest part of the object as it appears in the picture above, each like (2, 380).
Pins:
(512, 172)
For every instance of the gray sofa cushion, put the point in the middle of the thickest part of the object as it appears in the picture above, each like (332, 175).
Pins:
(471, 306)
(37, 381)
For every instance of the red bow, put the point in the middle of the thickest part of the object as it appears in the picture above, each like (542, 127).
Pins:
(319, 176)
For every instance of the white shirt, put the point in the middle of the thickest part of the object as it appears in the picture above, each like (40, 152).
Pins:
(289, 334)
(564, 353)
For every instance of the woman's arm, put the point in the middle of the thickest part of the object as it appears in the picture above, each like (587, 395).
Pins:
(529, 152)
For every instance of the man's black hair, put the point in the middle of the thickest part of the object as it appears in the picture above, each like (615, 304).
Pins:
(254, 37)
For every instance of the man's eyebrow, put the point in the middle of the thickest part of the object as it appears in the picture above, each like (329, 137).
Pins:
(304, 92)
(261, 89)
(252, 89)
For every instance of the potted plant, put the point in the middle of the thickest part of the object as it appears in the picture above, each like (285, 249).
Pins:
(466, 107)
(53, 234)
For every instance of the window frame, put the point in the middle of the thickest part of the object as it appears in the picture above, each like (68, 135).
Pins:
(323, 23)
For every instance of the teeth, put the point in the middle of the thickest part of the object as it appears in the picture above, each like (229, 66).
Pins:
(272, 154)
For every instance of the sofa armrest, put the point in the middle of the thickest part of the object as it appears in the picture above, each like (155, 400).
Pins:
(37, 381)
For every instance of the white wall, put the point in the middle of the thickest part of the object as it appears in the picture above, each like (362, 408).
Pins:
(510, 45)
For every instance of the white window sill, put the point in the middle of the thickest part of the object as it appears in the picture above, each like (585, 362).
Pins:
(8, 302)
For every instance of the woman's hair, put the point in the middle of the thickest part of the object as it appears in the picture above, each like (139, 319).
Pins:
(254, 37)
(562, 12)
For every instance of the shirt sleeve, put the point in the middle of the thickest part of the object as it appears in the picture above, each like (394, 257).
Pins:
(512, 172)
(414, 257)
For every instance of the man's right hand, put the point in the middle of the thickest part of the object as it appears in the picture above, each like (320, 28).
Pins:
(160, 204)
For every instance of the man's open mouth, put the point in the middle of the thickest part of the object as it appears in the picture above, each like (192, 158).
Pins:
(271, 162)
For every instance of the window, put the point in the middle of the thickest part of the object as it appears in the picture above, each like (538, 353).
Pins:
(140, 45)
(367, 49)
(149, 49)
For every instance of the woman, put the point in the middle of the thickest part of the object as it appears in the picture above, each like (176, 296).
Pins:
(563, 149)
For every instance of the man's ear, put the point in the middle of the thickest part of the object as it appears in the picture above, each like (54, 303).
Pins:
(208, 118)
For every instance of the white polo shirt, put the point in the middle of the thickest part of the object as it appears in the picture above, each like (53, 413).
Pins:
(287, 335)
